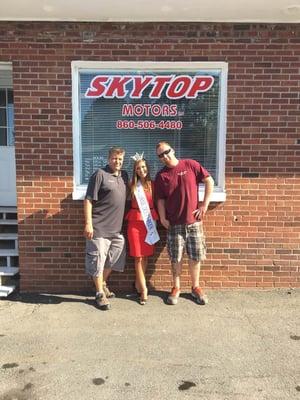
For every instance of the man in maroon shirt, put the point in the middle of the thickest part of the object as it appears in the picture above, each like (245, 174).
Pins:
(176, 190)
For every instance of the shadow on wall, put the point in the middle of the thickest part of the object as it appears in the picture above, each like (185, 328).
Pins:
(52, 252)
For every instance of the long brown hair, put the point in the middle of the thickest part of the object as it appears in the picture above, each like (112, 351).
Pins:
(135, 178)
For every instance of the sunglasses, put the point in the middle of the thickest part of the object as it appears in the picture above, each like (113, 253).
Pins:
(164, 153)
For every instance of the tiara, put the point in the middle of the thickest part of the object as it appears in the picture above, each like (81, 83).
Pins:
(138, 157)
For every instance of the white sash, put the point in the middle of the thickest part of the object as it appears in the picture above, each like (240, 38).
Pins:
(152, 234)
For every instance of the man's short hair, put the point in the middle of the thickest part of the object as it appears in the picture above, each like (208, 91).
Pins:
(115, 150)
(162, 142)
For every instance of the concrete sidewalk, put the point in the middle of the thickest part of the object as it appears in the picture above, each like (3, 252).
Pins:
(243, 345)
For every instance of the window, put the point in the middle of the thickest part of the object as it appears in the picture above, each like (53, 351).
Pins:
(7, 137)
(135, 105)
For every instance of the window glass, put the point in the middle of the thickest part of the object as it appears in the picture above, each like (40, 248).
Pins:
(7, 136)
(2, 97)
(137, 108)
(2, 116)
(10, 96)
(10, 118)
(3, 141)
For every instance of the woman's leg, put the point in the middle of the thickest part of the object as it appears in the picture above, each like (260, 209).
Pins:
(140, 264)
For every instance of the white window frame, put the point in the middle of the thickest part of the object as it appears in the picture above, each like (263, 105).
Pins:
(219, 194)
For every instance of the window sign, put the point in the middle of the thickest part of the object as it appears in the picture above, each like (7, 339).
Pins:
(136, 105)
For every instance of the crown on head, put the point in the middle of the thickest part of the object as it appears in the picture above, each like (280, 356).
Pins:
(138, 157)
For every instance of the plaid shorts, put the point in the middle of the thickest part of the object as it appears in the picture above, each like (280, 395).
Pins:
(190, 237)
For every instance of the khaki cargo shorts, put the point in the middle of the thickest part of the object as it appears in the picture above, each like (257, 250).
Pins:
(103, 253)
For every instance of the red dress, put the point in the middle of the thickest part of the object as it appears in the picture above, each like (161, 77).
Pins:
(136, 230)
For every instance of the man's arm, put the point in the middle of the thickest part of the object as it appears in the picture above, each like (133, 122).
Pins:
(88, 227)
(203, 206)
(162, 213)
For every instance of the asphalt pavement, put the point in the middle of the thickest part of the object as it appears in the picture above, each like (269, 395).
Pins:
(243, 345)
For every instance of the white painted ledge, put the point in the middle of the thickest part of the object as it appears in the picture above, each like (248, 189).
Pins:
(218, 196)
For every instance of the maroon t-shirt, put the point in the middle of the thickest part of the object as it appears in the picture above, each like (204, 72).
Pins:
(178, 186)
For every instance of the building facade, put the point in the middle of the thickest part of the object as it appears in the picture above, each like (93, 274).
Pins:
(253, 224)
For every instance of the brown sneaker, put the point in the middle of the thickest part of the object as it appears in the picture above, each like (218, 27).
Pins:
(173, 296)
(199, 296)
(107, 292)
(101, 302)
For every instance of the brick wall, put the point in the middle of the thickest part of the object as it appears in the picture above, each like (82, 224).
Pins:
(253, 238)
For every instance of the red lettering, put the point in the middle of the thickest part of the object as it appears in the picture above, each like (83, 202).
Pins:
(139, 85)
(158, 85)
(178, 87)
(127, 110)
(117, 87)
(167, 110)
(156, 110)
(201, 84)
(147, 109)
(138, 110)
(97, 88)
(173, 110)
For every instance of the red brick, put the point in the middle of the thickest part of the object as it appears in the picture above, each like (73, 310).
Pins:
(262, 136)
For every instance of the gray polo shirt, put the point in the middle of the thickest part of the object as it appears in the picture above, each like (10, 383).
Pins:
(108, 195)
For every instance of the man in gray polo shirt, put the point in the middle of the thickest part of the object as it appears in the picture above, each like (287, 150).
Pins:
(104, 207)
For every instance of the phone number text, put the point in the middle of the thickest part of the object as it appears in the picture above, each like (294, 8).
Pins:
(148, 124)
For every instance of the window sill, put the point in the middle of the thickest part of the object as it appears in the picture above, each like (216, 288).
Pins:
(218, 195)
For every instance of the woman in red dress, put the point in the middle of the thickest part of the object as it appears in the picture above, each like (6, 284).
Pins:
(136, 231)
